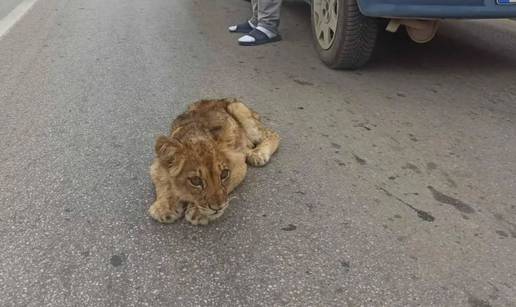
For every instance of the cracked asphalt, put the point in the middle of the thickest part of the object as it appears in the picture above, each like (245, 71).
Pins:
(394, 185)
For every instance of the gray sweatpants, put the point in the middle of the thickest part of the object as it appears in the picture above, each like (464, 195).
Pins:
(266, 13)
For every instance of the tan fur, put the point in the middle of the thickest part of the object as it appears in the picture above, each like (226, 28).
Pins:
(211, 137)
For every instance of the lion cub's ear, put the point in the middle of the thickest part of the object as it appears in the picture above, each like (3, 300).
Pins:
(166, 149)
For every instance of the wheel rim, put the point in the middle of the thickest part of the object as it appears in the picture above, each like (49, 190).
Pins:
(326, 14)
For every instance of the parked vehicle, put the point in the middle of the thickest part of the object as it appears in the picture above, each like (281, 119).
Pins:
(345, 31)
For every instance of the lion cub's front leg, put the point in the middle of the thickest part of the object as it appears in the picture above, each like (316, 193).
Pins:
(167, 208)
(165, 211)
(194, 216)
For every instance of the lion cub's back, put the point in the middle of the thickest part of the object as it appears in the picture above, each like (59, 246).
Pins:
(211, 116)
(207, 105)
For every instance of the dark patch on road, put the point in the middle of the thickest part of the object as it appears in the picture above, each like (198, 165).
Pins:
(363, 125)
(476, 302)
(456, 203)
(401, 94)
(411, 193)
(412, 167)
(360, 160)
(345, 264)
(335, 145)
(117, 260)
(502, 233)
(413, 137)
(425, 216)
(300, 108)
(340, 163)
(301, 82)
(511, 226)
(393, 177)
(289, 227)
(430, 166)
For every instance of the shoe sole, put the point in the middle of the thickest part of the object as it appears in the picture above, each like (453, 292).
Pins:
(276, 38)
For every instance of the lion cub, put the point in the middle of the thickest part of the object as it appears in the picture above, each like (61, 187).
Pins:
(204, 159)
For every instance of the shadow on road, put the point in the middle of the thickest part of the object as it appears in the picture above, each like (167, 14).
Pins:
(459, 45)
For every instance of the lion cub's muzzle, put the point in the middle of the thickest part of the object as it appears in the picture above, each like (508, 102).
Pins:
(213, 209)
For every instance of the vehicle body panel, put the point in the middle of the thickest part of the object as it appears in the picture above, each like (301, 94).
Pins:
(437, 9)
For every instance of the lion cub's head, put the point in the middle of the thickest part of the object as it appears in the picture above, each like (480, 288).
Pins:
(199, 172)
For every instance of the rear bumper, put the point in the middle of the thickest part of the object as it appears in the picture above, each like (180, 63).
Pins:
(471, 9)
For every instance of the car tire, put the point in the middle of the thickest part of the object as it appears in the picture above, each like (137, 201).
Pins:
(343, 37)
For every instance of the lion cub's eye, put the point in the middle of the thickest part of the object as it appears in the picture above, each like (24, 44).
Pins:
(224, 174)
(196, 181)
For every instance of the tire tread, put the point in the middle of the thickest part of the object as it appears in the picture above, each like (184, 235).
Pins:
(357, 39)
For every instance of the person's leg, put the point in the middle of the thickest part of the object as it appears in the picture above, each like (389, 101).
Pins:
(249, 25)
(266, 30)
(254, 19)
(269, 16)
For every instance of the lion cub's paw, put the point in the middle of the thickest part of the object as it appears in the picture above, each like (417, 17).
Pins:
(257, 158)
(162, 212)
(194, 217)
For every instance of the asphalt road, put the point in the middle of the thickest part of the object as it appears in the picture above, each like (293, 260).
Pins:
(394, 185)
(6, 6)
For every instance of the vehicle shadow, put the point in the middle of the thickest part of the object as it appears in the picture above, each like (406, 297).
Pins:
(482, 46)
(459, 46)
